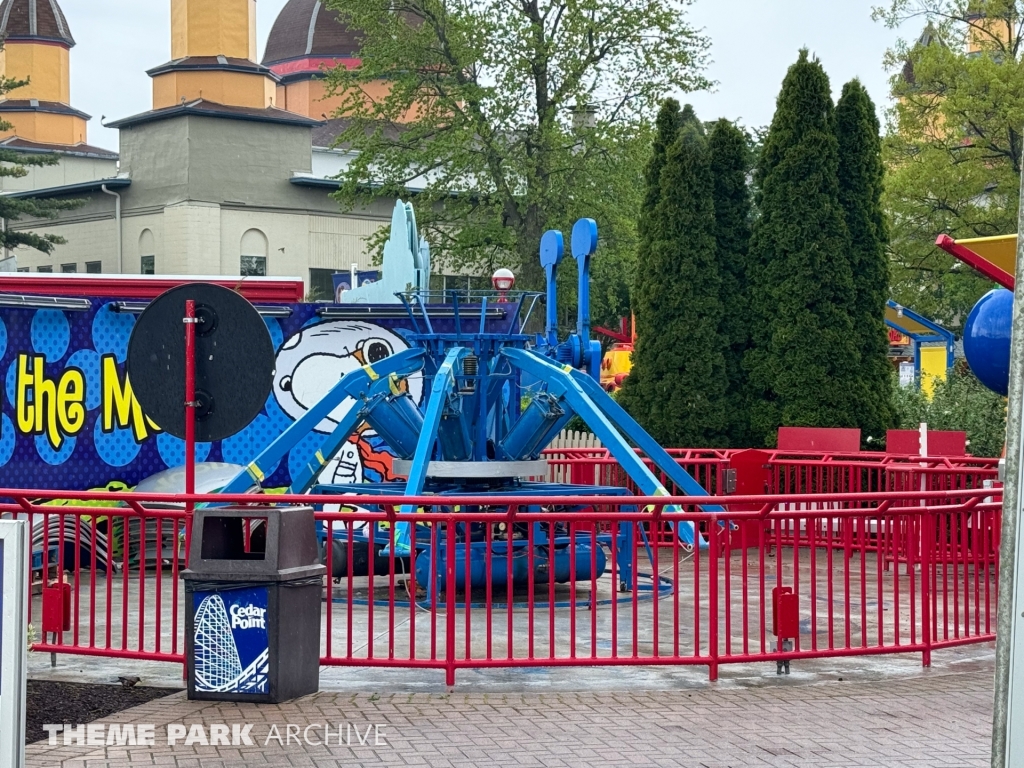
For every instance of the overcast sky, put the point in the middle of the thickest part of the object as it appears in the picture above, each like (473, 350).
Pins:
(753, 42)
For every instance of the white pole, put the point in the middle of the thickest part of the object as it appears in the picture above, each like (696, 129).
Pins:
(1008, 714)
(13, 641)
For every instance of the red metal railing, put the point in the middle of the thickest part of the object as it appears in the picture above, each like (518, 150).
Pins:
(791, 473)
(787, 473)
(710, 605)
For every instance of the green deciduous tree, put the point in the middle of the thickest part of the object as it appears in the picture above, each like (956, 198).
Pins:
(805, 358)
(528, 115)
(954, 146)
(861, 177)
(729, 155)
(677, 386)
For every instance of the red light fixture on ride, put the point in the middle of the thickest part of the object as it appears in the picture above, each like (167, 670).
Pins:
(503, 281)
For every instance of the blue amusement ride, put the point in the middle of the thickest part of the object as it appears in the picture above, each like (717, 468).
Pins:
(495, 397)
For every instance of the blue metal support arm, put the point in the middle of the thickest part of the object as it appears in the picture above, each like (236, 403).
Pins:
(441, 387)
(351, 385)
(562, 384)
(618, 416)
(307, 477)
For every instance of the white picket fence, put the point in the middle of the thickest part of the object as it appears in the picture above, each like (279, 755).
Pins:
(569, 439)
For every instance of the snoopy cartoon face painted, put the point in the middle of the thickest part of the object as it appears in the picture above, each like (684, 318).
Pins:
(312, 361)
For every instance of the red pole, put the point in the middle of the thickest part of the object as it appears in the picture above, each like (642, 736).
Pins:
(449, 593)
(927, 548)
(190, 418)
(712, 595)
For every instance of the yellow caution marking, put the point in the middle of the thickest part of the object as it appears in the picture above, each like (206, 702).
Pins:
(659, 491)
(395, 384)
(320, 458)
(255, 472)
(370, 372)
(567, 368)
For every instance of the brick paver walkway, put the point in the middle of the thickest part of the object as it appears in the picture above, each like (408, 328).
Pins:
(930, 721)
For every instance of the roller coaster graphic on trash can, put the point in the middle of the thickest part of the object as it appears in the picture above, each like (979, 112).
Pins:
(232, 647)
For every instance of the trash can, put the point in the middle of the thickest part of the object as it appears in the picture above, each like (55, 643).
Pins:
(253, 592)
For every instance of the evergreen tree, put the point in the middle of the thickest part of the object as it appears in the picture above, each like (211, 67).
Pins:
(689, 117)
(861, 175)
(666, 132)
(805, 359)
(677, 386)
(728, 153)
(644, 282)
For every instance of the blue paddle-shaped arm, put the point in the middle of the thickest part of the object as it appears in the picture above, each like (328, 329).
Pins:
(552, 249)
(357, 384)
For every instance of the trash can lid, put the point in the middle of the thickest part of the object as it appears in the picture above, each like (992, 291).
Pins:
(243, 543)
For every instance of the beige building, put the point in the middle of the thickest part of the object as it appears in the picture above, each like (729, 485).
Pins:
(227, 174)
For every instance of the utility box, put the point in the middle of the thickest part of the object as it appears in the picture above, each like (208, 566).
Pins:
(785, 613)
(253, 591)
(56, 608)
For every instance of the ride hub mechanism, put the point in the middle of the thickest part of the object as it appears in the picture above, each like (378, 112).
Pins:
(495, 397)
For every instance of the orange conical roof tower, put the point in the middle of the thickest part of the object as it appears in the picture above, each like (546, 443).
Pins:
(213, 57)
(38, 49)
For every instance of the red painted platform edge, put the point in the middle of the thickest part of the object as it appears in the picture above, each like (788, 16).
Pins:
(819, 439)
(940, 443)
(143, 287)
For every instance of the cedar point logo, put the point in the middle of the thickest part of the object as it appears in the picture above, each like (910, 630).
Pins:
(218, 666)
(248, 617)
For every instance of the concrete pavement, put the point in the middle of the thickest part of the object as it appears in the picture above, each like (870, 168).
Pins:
(936, 718)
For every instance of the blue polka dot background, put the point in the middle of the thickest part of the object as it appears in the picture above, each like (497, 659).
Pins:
(95, 456)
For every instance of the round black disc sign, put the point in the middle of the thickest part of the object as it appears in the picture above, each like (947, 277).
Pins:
(234, 361)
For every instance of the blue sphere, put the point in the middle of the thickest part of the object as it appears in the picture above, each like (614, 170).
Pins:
(987, 339)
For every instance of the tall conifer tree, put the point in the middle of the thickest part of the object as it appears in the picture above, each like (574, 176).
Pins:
(646, 292)
(665, 135)
(805, 358)
(728, 155)
(861, 176)
(677, 386)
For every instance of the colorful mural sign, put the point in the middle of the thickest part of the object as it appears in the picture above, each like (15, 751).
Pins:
(69, 418)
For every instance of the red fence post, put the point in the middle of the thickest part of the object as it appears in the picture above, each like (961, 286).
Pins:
(713, 545)
(449, 600)
(927, 546)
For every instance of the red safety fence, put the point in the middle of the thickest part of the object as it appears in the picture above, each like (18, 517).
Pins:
(776, 578)
(723, 472)
(789, 472)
